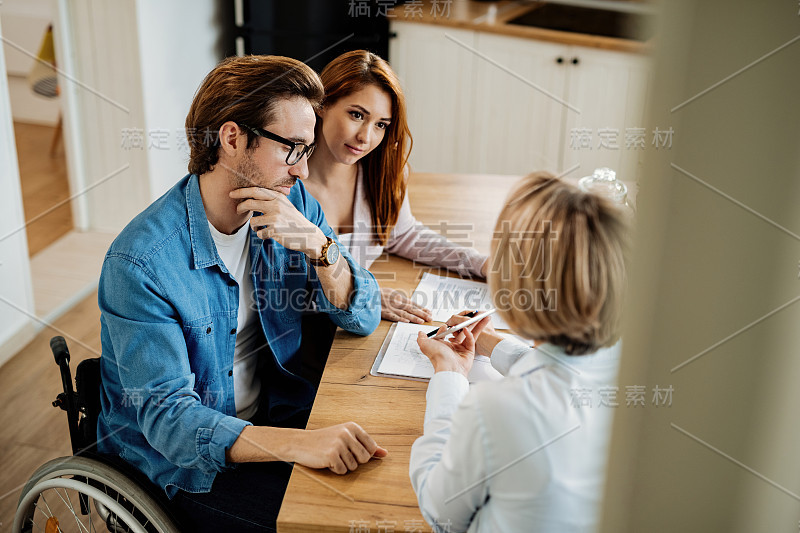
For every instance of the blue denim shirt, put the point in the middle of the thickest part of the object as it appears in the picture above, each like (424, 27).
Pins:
(168, 329)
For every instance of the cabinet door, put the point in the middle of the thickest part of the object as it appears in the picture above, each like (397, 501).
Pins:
(519, 107)
(609, 89)
(437, 77)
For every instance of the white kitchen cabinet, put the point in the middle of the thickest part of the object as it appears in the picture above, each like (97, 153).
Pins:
(437, 77)
(518, 106)
(495, 104)
(609, 88)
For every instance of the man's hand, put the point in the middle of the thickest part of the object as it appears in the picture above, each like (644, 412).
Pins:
(395, 306)
(456, 354)
(280, 221)
(339, 448)
(486, 340)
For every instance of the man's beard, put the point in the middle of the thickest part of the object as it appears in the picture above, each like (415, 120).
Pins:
(246, 173)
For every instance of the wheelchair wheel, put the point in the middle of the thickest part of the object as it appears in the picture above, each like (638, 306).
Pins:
(84, 495)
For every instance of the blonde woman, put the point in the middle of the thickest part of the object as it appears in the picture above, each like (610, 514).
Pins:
(523, 454)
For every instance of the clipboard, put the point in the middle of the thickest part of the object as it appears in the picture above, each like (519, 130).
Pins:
(481, 368)
(379, 359)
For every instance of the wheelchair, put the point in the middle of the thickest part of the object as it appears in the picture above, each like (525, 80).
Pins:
(88, 491)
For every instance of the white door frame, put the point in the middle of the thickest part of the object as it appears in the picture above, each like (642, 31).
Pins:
(73, 140)
(17, 327)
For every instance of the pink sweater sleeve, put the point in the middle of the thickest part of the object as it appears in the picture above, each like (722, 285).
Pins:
(414, 241)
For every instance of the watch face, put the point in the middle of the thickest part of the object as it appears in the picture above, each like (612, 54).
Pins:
(333, 253)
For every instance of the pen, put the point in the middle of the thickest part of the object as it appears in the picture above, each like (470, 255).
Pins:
(462, 325)
(470, 314)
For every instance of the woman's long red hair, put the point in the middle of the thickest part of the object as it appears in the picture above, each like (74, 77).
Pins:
(384, 181)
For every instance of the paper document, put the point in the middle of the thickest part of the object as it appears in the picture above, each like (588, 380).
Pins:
(401, 356)
(446, 297)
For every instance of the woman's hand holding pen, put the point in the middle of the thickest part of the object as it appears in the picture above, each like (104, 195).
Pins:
(455, 354)
(486, 340)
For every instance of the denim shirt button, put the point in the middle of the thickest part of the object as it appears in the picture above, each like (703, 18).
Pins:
(208, 330)
(233, 331)
(230, 372)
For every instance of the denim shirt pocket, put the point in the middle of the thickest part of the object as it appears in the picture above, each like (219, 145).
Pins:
(199, 336)
(198, 328)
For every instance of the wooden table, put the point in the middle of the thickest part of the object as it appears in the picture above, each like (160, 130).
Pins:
(378, 495)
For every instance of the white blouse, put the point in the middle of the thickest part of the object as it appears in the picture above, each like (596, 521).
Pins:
(526, 453)
(408, 238)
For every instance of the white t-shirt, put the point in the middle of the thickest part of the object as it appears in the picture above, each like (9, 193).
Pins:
(234, 250)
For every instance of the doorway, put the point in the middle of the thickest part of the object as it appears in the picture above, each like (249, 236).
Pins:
(65, 260)
(44, 184)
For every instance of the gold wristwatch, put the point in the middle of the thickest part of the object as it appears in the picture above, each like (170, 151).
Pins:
(330, 253)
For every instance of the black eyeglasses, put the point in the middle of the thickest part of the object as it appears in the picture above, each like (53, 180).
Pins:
(298, 150)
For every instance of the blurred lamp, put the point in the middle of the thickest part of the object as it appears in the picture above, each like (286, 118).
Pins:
(42, 78)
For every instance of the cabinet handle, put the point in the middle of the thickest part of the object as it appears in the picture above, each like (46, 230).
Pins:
(575, 61)
(559, 60)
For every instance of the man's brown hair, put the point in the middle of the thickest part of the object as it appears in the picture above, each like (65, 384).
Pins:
(244, 90)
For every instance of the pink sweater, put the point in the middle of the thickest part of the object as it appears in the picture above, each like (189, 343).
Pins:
(408, 239)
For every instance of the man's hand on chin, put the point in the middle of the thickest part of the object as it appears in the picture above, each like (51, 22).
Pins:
(280, 220)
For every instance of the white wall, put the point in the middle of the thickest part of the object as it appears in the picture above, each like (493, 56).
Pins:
(134, 66)
(97, 46)
(177, 47)
(16, 297)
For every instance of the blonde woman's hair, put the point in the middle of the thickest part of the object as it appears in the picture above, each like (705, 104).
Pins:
(558, 264)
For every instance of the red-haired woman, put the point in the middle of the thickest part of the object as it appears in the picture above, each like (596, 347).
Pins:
(358, 174)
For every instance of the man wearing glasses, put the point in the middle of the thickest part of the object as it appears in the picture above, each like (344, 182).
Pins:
(211, 300)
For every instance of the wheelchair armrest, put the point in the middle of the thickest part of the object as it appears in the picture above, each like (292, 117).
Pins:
(87, 383)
